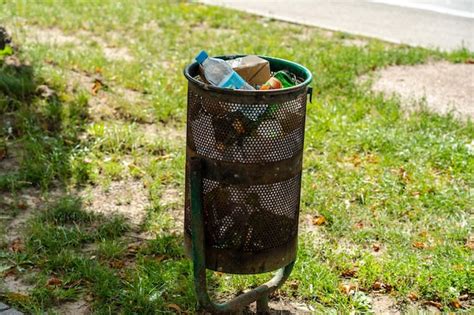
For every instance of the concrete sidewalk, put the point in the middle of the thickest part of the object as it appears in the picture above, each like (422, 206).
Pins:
(388, 22)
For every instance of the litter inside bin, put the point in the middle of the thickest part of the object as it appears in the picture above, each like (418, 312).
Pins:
(253, 69)
(243, 73)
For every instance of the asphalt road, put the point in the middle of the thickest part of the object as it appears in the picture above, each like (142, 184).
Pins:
(392, 23)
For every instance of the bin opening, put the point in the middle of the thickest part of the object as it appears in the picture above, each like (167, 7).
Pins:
(302, 74)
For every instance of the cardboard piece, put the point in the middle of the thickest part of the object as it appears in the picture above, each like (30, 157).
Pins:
(253, 69)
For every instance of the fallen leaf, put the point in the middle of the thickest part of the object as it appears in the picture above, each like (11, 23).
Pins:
(403, 175)
(470, 242)
(73, 284)
(117, 264)
(22, 205)
(53, 281)
(376, 247)
(96, 87)
(355, 160)
(419, 245)
(359, 225)
(175, 307)
(17, 246)
(423, 233)
(347, 288)
(379, 285)
(412, 296)
(435, 304)
(160, 258)
(455, 303)
(294, 284)
(98, 70)
(469, 61)
(349, 273)
(319, 220)
(3, 152)
(372, 158)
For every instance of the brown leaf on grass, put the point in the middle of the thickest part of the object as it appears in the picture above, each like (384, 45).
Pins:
(160, 258)
(175, 307)
(376, 247)
(464, 297)
(379, 286)
(349, 273)
(347, 288)
(117, 264)
(73, 284)
(294, 284)
(22, 205)
(435, 304)
(423, 233)
(17, 246)
(469, 61)
(412, 296)
(470, 242)
(419, 245)
(359, 224)
(54, 282)
(372, 158)
(133, 248)
(403, 175)
(319, 220)
(3, 152)
(455, 303)
(96, 87)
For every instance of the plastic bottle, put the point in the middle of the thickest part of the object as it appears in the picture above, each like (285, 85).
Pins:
(220, 73)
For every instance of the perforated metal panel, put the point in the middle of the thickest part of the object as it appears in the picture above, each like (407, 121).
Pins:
(251, 147)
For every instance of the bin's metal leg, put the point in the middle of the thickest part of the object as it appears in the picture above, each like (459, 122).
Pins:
(259, 294)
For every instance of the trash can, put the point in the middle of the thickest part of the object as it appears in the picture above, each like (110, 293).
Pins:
(244, 149)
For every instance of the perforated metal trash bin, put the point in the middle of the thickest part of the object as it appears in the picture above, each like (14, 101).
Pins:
(251, 146)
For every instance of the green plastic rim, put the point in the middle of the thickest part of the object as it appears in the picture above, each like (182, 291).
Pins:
(276, 64)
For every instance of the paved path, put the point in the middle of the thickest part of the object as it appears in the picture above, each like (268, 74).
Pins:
(7, 310)
(388, 22)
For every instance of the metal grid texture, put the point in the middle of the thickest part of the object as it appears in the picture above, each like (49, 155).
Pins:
(266, 137)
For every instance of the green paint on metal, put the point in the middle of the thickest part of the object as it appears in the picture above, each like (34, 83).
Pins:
(259, 294)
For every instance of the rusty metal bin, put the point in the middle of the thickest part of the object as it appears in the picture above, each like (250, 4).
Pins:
(246, 149)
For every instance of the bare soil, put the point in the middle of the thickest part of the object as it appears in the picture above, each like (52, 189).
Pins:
(444, 86)
(127, 198)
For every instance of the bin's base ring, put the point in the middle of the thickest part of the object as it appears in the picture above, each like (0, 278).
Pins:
(259, 294)
(237, 262)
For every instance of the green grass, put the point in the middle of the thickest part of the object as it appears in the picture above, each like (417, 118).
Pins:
(377, 174)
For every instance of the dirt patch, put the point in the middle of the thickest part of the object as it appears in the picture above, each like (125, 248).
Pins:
(55, 36)
(10, 159)
(284, 307)
(52, 36)
(80, 307)
(384, 304)
(161, 131)
(355, 42)
(117, 53)
(445, 87)
(15, 285)
(171, 196)
(28, 200)
(127, 198)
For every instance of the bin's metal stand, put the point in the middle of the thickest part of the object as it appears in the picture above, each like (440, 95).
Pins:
(259, 294)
